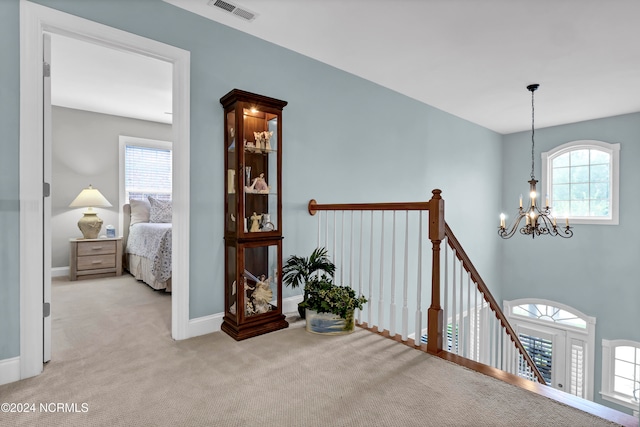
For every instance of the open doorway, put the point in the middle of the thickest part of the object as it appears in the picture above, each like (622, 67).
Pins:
(98, 95)
(35, 20)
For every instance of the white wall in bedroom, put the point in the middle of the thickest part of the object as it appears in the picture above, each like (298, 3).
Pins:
(85, 151)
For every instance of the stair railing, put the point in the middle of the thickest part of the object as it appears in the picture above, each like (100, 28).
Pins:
(378, 249)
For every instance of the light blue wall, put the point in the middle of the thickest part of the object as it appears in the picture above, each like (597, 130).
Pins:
(9, 180)
(345, 139)
(595, 271)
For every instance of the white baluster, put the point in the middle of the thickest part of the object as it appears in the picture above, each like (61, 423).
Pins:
(351, 284)
(418, 336)
(445, 305)
(370, 305)
(342, 251)
(335, 231)
(326, 231)
(460, 339)
(360, 266)
(405, 292)
(468, 326)
(392, 315)
(476, 325)
(454, 302)
(381, 300)
(319, 226)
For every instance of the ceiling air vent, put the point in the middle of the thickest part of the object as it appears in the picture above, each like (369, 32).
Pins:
(234, 9)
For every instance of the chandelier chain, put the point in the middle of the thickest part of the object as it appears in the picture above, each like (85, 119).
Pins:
(533, 131)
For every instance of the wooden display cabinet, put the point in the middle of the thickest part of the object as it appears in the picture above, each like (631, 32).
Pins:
(253, 214)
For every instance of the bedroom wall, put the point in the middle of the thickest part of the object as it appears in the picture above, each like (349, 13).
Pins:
(85, 151)
(595, 270)
(345, 139)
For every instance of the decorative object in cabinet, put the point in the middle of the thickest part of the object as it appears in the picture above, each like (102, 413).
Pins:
(253, 214)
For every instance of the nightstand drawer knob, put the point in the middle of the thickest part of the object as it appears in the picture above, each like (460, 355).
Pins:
(96, 262)
(96, 248)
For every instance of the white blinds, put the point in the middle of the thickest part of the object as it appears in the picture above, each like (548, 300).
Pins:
(147, 172)
(577, 368)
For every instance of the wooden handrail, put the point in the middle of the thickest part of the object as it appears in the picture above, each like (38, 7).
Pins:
(314, 206)
(482, 287)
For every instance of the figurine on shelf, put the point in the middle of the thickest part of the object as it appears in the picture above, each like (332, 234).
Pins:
(263, 140)
(262, 296)
(267, 139)
(265, 223)
(255, 223)
(260, 185)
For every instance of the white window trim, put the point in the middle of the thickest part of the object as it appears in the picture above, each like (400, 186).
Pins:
(614, 152)
(123, 141)
(587, 334)
(608, 370)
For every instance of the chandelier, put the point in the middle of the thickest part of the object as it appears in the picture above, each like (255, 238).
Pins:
(537, 219)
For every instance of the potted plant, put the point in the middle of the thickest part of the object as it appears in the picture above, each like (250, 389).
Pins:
(327, 307)
(330, 307)
(298, 271)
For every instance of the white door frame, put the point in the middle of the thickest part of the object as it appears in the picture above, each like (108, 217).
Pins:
(566, 332)
(34, 21)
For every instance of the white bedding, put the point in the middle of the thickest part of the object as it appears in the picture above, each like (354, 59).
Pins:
(152, 241)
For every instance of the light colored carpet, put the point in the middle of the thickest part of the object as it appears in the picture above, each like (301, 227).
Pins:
(112, 350)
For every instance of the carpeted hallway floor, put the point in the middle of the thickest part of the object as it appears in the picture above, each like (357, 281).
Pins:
(114, 358)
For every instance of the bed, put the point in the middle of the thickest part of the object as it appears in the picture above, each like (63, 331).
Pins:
(147, 242)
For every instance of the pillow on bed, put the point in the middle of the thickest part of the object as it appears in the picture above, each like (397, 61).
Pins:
(140, 210)
(160, 210)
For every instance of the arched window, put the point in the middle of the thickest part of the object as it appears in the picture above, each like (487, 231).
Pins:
(559, 339)
(621, 372)
(581, 181)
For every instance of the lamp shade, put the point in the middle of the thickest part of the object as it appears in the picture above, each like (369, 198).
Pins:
(90, 224)
(90, 197)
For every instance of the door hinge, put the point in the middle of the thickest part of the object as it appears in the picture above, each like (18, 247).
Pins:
(46, 189)
(46, 309)
(46, 69)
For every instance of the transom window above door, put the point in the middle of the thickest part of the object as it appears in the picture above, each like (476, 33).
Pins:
(581, 181)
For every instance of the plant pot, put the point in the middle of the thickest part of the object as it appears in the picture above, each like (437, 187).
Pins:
(329, 323)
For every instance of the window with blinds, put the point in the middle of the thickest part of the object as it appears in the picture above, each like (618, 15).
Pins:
(147, 172)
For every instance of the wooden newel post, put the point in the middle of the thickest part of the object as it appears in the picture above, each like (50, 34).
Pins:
(436, 235)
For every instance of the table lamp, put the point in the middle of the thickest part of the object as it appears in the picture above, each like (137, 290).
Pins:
(90, 224)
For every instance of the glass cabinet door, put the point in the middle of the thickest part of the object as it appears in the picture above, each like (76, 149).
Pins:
(232, 166)
(260, 171)
(259, 279)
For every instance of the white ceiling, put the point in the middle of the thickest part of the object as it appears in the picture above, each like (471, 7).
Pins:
(91, 77)
(471, 58)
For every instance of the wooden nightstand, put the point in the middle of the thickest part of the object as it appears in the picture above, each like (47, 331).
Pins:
(95, 258)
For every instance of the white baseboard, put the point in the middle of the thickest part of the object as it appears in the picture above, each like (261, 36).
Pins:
(9, 370)
(204, 325)
(59, 271)
(290, 305)
(212, 323)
